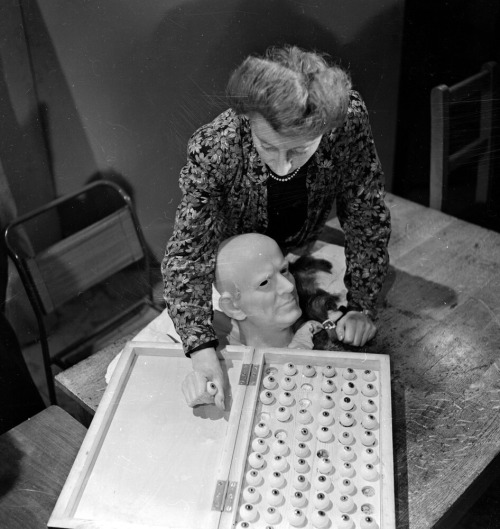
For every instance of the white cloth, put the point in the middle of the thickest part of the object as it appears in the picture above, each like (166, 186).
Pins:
(159, 330)
(162, 330)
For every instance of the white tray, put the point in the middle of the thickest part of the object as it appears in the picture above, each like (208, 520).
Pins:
(149, 461)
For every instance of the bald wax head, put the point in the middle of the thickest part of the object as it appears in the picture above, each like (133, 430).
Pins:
(236, 256)
(254, 282)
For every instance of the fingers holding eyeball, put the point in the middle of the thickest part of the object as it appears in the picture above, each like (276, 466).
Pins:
(194, 388)
(198, 390)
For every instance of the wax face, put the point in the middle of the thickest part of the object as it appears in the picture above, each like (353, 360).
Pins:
(267, 292)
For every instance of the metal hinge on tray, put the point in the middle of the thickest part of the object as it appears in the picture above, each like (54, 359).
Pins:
(249, 373)
(225, 491)
(224, 495)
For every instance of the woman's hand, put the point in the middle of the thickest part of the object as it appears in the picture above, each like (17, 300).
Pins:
(355, 328)
(205, 384)
(303, 338)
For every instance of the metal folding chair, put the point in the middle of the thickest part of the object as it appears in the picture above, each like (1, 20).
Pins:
(98, 236)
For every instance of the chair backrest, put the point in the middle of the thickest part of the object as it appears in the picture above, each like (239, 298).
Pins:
(60, 272)
(455, 146)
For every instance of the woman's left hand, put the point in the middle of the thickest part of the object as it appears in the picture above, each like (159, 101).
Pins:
(355, 328)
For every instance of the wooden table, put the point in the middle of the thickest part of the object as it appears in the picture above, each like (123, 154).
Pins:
(35, 460)
(440, 322)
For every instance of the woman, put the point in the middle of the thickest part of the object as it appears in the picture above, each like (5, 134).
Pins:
(295, 139)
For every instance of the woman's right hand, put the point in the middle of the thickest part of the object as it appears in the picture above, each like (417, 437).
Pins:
(206, 369)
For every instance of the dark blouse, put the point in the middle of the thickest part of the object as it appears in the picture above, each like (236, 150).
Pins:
(286, 206)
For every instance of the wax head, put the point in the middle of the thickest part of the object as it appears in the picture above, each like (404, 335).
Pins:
(255, 284)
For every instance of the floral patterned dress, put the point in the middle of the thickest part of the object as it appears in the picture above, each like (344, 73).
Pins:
(224, 193)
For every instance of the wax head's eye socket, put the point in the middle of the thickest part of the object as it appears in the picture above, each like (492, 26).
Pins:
(264, 283)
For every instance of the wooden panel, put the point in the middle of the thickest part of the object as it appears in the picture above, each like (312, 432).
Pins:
(82, 260)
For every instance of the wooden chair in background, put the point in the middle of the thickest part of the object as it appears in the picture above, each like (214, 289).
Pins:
(99, 237)
(462, 140)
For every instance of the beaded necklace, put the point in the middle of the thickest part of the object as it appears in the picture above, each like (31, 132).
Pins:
(283, 179)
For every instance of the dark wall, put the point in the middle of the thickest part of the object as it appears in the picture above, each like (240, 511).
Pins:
(126, 82)
(24, 160)
(25, 171)
(443, 42)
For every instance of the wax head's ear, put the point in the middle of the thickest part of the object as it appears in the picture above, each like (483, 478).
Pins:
(230, 308)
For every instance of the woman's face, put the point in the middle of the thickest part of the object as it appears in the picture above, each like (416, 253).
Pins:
(283, 154)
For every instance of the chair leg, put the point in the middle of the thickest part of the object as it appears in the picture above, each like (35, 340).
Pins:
(48, 369)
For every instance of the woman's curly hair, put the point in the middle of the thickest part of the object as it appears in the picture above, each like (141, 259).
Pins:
(296, 91)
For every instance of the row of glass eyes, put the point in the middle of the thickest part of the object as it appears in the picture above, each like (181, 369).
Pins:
(348, 373)
(324, 417)
(323, 434)
(297, 518)
(321, 483)
(327, 386)
(279, 464)
(279, 448)
(324, 466)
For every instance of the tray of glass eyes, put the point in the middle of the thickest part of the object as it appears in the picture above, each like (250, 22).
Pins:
(319, 443)
(305, 441)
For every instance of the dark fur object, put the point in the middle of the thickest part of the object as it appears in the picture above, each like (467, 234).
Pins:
(315, 302)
